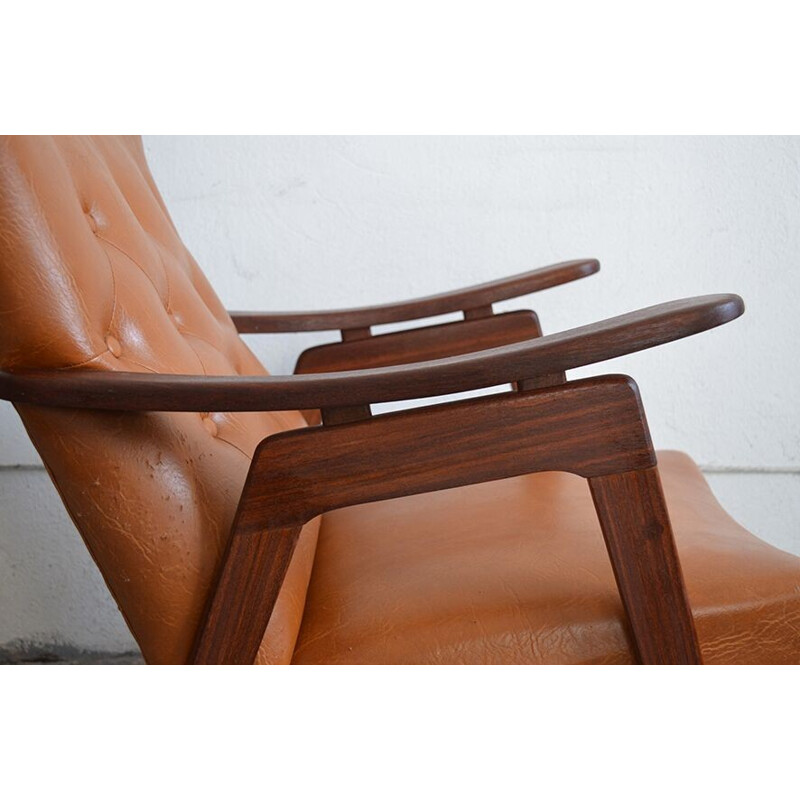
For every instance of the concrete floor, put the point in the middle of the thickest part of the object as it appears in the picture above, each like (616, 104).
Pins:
(27, 654)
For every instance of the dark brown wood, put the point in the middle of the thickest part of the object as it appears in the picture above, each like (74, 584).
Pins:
(338, 416)
(418, 344)
(589, 427)
(594, 428)
(638, 535)
(355, 334)
(481, 312)
(247, 588)
(541, 382)
(511, 363)
(448, 302)
(421, 344)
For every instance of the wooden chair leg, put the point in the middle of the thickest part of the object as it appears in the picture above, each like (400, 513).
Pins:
(637, 531)
(248, 586)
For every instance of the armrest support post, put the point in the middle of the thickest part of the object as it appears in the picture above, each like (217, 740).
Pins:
(356, 334)
(417, 344)
(479, 312)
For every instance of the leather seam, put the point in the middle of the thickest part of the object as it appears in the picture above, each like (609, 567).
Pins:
(113, 293)
(83, 363)
(110, 322)
(235, 447)
(196, 355)
(187, 332)
(137, 264)
(143, 366)
(166, 276)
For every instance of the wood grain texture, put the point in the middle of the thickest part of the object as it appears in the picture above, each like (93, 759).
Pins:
(589, 427)
(638, 535)
(473, 297)
(247, 588)
(511, 363)
(594, 428)
(418, 344)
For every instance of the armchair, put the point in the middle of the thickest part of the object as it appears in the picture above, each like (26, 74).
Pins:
(232, 531)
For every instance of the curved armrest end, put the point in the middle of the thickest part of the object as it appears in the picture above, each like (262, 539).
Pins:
(483, 294)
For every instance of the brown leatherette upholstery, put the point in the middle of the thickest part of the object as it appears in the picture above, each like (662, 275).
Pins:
(93, 275)
(516, 572)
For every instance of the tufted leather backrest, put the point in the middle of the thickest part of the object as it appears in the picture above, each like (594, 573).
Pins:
(94, 276)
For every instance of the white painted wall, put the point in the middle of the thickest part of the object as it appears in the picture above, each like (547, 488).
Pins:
(319, 222)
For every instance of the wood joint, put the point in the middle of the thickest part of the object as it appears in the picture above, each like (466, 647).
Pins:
(594, 428)
(356, 334)
(479, 312)
(343, 414)
(541, 382)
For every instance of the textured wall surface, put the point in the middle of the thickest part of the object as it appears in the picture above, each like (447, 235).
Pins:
(319, 222)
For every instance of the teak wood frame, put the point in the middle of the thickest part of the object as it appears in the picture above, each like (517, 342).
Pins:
(595, 428)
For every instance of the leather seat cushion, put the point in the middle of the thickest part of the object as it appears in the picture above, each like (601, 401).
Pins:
(516, 572)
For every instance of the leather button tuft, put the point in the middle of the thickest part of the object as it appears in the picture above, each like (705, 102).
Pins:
(114, 347)
(210, 426)
(92, 222)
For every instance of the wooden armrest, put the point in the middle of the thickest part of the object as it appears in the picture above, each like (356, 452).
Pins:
(473, 297)
(600, 341)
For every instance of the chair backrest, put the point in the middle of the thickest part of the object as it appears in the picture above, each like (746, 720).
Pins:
(94, 276)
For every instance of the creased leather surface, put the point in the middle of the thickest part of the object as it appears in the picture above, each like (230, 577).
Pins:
(516, 572)
(93, 275)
